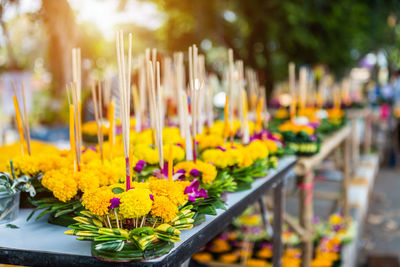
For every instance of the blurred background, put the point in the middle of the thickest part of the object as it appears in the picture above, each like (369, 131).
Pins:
(36, 38)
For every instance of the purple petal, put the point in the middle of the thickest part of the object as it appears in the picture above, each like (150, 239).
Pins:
(189, 189)
(221, 148)
(182, 171)
(151, 197)
(202, 193)
(192, 198)
(115, 202)
(195, 173)
(195, 184)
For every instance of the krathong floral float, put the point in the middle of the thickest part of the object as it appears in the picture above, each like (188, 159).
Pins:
(120, 194)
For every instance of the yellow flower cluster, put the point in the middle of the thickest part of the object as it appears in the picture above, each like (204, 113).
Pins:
(60, 182)
(309, 113)
(172, 135)
(164, 208)
(173, 190)
(135, 203)
(209, 141)
(208, 171)
(282, 113)
(44, 157)
(271, 145)
(230, 157)
(257, 149)
(335, 113)
(145, 137)
(90, 128)
(292, 127)
(97, 201)
(32, 165)
(150, 154)
(219, 126)
(92, 176)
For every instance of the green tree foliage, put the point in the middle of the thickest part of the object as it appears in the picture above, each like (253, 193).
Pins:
(268, 34)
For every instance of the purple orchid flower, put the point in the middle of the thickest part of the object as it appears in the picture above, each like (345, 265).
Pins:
(195, 173)
(313, 124)
(193, 191)
(337, 227)
(139, 166)
(115, 202)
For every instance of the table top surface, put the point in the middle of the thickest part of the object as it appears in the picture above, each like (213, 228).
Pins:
(44, 241)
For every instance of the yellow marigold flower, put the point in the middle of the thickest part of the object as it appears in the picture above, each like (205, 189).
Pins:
(208, 171)
(89, 155)
(60, 183)
(264, 253)
(218, 127)
(257, 263)
(335, 219)
(87, 179)
(90, 128)
(135, 203)
(97, 201)
(229, 258)
(223, 159)
(187, 166)
(290, 262)
(209, 141)
(172, 135)
(150, 154)
(282, 113)
(250, 220)
(144, 137)
(173, 190)
(164, 208)
(32, 165)
(271, 145)
(178, 153)
(257, 149)
(146, 153)
(140, 185)
(335, 113)
(202, 257)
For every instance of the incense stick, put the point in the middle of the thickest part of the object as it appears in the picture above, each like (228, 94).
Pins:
(124, 87)
(97, 118)
(26, 120)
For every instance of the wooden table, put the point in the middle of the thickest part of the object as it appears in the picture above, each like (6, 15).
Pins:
(40, 243)
(304, 171)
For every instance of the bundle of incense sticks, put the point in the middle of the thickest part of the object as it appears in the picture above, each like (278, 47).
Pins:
(244, 124)
(98, 114)
(303, 75)
(180, 84)
(74, 110)
(195, 86)
(124, 78)
(22, 121)
(155, 108)
(292, 90)
(77, 80)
